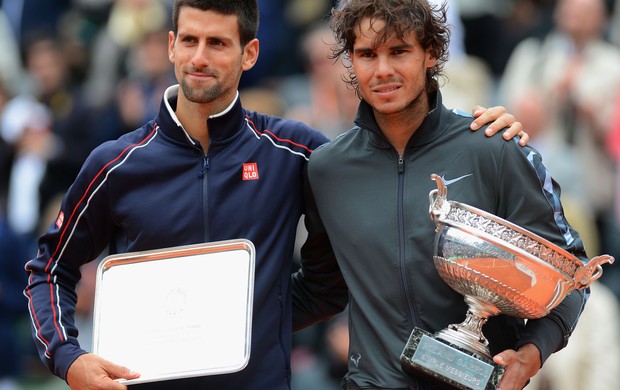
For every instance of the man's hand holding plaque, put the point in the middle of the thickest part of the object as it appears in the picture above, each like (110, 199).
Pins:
(89, 367)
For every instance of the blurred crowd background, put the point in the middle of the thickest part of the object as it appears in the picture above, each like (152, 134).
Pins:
(75, 73)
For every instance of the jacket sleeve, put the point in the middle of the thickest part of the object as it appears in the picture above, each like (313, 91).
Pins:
(531, 198)
(318, 287)
(79, 234)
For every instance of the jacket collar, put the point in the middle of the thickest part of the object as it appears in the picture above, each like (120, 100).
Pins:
(429, 130)
(222, 126)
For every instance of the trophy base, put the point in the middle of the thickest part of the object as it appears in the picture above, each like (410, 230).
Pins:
(447, 364)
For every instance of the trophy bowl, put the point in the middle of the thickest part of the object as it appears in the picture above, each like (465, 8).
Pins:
(498, 267)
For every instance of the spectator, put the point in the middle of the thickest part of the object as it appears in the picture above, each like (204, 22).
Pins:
(592, 358)
(72, 118)
(318, 96)
(11, 274)
(12, 309)
(126, 25)
(493, 28)
(137, 94)
(26, 126)
(565, 87)
(278, 38)
(324, 369)
(613, 146)
(11, 72)
(6, 150)
(30, 16)
(469, 80)
(614, 33)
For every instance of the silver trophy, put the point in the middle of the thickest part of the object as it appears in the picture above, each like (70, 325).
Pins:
(498, 267)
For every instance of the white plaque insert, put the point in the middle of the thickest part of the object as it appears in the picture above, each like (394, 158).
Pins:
(176, 312)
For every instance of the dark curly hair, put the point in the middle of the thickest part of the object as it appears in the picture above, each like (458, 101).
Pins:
(401, 17)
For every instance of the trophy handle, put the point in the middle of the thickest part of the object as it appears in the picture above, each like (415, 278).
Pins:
(439, 205)
(591, 271)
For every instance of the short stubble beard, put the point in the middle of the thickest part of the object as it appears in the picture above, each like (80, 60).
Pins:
(201, 96)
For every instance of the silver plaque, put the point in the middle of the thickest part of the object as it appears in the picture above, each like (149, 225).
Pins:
(177, 312)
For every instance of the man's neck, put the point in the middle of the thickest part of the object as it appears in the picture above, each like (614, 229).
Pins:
(193, 117)
(399, 127)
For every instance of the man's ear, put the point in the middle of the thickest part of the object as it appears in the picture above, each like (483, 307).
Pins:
(171, 39)
(431, 61)
(250, 54)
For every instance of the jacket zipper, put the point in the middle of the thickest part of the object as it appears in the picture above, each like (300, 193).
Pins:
(402, 245)
(205, 198)
(402, 240)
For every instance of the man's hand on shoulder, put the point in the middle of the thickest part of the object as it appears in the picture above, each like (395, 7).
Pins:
(499, 119)
(90, 371)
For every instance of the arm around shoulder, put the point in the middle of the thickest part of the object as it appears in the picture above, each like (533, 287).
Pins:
(319, 289)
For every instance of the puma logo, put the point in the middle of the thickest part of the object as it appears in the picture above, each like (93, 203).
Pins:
(356, 359)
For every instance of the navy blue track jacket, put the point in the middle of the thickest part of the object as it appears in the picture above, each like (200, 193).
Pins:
(155, 188)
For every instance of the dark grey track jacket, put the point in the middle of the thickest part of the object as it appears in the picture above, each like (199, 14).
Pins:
(374, 206)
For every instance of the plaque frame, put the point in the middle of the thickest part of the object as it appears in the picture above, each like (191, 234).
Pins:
(176, 312)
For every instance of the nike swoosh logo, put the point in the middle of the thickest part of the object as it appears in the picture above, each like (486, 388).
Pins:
(448, 182)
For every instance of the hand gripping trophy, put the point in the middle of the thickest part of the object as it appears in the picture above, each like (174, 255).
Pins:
(498, 267)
